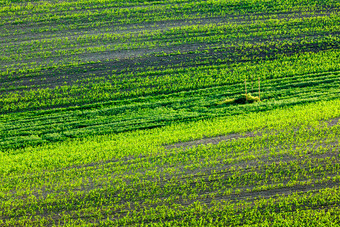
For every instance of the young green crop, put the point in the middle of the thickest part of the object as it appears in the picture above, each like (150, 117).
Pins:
(110, 115)
(132, 178)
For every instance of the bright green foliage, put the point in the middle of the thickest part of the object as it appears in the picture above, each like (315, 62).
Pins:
(285, 169)
(98, 96)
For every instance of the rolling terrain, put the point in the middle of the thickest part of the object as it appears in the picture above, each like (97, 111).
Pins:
(113, 113)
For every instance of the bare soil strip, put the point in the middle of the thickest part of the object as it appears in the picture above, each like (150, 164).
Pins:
(212, 140)
(215, 140)
(334, 122)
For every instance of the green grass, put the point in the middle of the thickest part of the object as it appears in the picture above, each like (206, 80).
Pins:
(131, 178)
(117, 113)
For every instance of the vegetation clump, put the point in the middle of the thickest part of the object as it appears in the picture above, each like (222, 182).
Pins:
(243, 99)
(109, 113)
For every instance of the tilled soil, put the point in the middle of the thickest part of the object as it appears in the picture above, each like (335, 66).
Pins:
(213, 140)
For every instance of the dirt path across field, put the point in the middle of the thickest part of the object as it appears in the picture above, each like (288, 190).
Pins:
(215, 140)
(212, 140)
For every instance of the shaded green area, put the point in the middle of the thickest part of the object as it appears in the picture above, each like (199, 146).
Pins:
(37, 127)
(136, 65)
(99, 100)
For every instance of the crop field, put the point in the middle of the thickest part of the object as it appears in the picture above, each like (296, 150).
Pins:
(113, 113)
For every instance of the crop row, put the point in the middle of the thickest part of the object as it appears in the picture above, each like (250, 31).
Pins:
(131, 178)
(185, 79)
(208, 37)
(120, 120)
(277, 27)
(207, 55)
(142, 13)
(130, 113)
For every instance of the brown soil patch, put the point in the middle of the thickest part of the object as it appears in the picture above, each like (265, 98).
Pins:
(229, 137)
(212, 140)
(334, 122)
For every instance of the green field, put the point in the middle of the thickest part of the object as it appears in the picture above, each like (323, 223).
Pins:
(113, 113)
